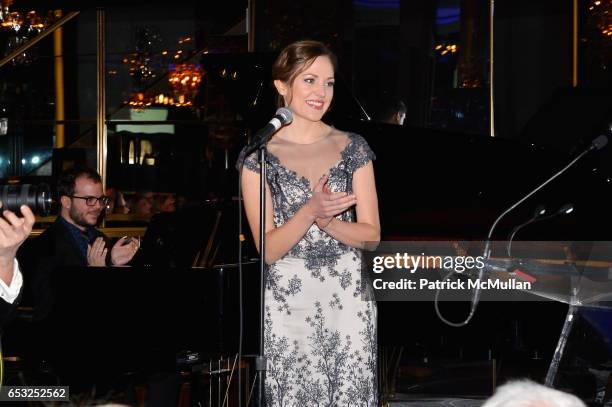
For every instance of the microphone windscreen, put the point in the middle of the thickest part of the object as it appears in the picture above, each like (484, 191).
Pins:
(285, 114)
(600, 142)
(539, 211)
(566, 209)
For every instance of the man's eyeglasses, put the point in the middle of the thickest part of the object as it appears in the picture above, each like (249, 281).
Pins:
(91, 200)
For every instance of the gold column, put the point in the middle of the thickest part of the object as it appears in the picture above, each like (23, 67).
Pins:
(491, 70)
(251, 26)
(575, 43)
(59, 84)
(101, 95)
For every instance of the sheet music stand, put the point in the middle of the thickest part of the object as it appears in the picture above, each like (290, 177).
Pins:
(578, 284)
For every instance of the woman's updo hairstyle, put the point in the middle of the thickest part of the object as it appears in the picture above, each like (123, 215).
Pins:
(296, 58)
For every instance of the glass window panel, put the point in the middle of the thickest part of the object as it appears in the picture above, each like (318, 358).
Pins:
(29, 102)
(422, 63)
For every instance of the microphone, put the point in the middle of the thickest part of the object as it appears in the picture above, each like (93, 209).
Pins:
(597, 144)
(282, 117)
(537, 217)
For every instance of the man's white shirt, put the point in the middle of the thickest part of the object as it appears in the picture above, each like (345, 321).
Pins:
(10, 292)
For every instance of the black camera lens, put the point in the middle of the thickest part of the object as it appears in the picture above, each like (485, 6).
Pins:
(37, 197)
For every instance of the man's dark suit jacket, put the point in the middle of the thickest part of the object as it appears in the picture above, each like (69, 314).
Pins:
(7, 311)
(55, 249)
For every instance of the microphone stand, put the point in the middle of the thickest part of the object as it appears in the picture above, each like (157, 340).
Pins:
(260, 359)
(283, 117)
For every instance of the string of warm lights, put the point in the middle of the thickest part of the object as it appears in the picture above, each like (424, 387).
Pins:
(601, 13)
(443, 49)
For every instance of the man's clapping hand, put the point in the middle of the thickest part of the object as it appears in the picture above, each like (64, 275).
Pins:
(96, 253)
(121, 253)
(124, 250)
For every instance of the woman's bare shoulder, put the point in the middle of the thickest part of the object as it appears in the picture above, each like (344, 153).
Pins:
(340, 138)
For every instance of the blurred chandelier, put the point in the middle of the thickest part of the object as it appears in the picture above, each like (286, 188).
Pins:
(184, 80)
(16, 21)
(146, 64)
(21, 27)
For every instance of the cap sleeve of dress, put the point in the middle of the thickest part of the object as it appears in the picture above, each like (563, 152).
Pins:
(250, 162)
(358, 152)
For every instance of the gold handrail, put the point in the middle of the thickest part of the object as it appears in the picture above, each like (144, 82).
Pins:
(115, 232)
(39, 37)
(113, 217)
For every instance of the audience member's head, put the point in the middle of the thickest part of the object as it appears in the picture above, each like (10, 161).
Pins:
(143, 203)
(394, 112)
(116, 203)
(165, 203)
(81, 197)
(525, 393)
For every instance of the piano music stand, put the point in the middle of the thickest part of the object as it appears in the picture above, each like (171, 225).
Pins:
(578, 284)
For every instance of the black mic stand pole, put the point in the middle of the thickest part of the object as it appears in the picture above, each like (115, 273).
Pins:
(260, 359)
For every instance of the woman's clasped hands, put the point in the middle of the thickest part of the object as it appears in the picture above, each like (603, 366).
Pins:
(325, 204)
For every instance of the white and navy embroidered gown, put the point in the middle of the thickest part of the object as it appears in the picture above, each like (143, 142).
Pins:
(320, 336)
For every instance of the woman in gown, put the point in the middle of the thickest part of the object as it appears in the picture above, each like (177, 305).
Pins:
(322, 209)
